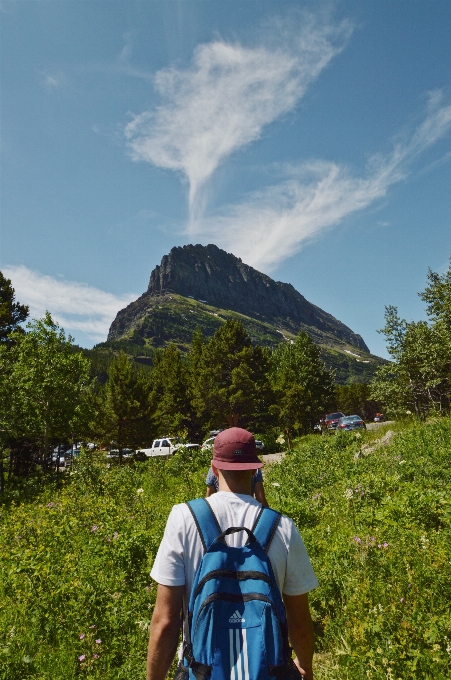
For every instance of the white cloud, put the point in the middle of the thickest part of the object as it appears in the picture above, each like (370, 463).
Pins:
(75, 306)
(52, 81)
(226, 97)
(273, 224)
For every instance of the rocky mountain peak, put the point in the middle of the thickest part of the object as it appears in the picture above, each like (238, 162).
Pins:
(212, 275)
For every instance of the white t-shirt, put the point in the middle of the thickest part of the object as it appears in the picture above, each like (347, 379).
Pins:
(181, 550)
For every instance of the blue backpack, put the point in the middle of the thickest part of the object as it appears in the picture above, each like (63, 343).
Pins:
(236, 626)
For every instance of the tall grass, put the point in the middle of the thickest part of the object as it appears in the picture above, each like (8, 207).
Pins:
(377, 527)
(76, 596)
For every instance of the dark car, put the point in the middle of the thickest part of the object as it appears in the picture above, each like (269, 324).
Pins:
(330, 421)
(351, 423)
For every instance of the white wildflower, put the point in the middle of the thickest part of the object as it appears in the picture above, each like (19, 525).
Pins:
(275, 484)
(139, 491)
(348, 494)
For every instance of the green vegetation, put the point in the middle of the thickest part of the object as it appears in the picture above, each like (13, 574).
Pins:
(74, 561)
(419, 379)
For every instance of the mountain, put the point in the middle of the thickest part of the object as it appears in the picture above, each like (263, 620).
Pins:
(203, 286)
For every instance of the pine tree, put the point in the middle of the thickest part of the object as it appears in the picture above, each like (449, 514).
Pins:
(233, 381)
(11, 312)
(304, 387)
(121, 406)
(170, 397)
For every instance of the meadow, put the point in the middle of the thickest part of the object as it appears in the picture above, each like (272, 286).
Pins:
(76, 596)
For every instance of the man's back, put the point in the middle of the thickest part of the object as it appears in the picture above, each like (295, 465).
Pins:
(181, 549)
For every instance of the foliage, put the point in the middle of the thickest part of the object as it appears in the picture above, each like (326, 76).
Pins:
(170, 396)
(12, 313)
(75, 561)
(419, 379)
(44, 386)
(126, 408)
(356, 399)
(377, 525)
(304, 387)
(232, 378)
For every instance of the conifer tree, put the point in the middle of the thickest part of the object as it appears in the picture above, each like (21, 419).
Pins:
(170, 396)
(233, 379)
(121, 406)
(12, 313)
(303, 386)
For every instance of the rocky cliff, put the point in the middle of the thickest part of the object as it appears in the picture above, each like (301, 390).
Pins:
(221, 280)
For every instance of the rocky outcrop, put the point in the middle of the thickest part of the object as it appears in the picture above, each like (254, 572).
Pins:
(220, 279)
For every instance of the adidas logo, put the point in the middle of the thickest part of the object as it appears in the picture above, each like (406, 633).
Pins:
(236, 618)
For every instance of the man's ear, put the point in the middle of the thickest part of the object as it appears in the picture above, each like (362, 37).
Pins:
(215, 470)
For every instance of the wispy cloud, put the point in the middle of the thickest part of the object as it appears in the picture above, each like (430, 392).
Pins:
(273, 224)
(52, 81)
(76, 306)
(226, 97)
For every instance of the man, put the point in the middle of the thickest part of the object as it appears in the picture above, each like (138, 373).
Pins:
(180, 553)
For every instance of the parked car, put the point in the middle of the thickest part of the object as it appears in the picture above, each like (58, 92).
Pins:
(379, 418)
(113, 454)
(259, 445)
(351, 423)
(330, 421)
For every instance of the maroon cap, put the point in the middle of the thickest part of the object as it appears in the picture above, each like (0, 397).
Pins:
(234, 449)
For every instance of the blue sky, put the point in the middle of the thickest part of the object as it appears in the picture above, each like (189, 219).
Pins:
(310, 139)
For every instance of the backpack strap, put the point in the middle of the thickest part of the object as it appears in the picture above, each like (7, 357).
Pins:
(205, 520)
(265, 526)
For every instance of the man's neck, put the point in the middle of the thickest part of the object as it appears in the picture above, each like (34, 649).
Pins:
(233, 483)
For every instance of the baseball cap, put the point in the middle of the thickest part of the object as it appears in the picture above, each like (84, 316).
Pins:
(234, 449)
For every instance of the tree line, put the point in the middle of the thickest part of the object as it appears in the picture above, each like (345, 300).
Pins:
(48, 395)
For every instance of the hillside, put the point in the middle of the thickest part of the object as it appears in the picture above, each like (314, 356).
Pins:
(376, 520)
(204, 286)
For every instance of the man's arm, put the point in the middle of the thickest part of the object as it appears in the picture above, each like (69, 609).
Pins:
(164, 631)
(259, 493)
(211, 489)
(300, 632)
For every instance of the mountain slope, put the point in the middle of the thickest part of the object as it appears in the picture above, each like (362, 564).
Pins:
(204, 286)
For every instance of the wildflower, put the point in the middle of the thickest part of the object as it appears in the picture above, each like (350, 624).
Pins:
(348, 494)
(357, 539)
(82, 657)
(95, 656)
(402, 599)
(401, 462)
(317, 495)
(379, 545)
(373, 538)
(92, 626)
(385, 544)
(51, 504)
(435, 648)
(275, 484)
(82, 636)
(98, 641)
(139, 491)
(94, 528)
(115, 535)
